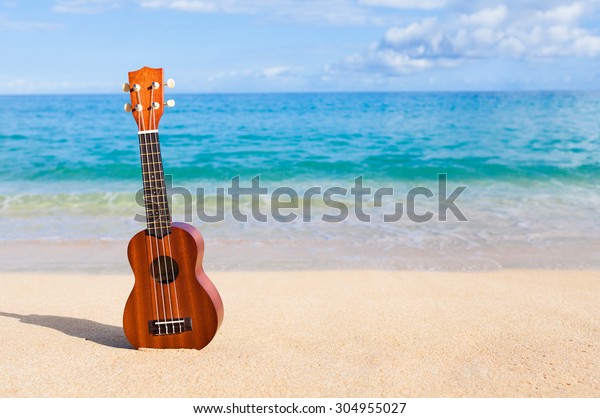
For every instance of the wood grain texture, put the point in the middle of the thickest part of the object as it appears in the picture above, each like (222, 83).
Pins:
(192, 294)
(148, 118)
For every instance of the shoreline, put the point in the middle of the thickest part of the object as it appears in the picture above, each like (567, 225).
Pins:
(344, 333)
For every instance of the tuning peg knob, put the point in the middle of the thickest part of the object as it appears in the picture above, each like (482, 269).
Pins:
(170, 83)
(126, 87)
(127, 107)
(170, 103)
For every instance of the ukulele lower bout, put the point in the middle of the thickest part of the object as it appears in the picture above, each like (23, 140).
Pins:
(173, 303)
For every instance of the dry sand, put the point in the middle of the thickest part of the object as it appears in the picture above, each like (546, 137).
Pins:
(315, 334)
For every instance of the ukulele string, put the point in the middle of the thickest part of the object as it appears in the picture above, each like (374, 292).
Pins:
(168, 237)
(154, 239)
(163, 192)
(149, 237)
(174, 281)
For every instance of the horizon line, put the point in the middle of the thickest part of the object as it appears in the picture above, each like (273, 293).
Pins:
(116, 93)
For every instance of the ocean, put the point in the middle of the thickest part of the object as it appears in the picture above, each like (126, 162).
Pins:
(528, 164)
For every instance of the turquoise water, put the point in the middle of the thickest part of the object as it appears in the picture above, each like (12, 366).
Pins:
(492, 136)
(530, 161)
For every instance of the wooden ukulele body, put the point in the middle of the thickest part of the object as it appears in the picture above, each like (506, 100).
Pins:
(164, 313)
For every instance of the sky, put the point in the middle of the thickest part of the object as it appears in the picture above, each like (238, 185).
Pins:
(240, 46)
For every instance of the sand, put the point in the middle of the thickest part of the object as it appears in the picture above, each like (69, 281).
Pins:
(315, 334)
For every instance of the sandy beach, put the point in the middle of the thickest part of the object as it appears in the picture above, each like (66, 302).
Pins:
(315, 334)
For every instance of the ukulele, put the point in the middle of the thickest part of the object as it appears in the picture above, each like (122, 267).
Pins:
(173, 303)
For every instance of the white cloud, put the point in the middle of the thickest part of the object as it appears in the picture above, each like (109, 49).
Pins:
(201, 6)
(335, 12)
(587, 46)
(85, 6)
(281, 71)
(30, 86)
(487, 17)
(567, 13)
(279, 6)
(20, 25)
(273, 72)
(406, 4)
(494, 32)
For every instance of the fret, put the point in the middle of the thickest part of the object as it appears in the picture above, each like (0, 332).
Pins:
(153, 213)
(154, 197)
(156, 209)
(151, 209)
(153, 220)
(151, 162)
(160, 223)
(156, 204)
(160, 202)
(162, 205)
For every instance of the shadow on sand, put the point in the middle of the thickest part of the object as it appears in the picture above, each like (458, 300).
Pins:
(108, 335)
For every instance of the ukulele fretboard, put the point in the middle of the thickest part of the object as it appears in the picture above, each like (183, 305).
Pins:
(158, 216)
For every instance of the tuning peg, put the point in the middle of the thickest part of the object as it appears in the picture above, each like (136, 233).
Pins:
(127, 107)
(170, 83)
(155, 85)
(170, 103)
(136, 87)
(155, 105)
(138, 107)
(126, 87)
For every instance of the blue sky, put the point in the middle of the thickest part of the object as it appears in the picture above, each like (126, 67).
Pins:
(88, 46)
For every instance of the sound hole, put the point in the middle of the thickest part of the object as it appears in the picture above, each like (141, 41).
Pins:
(164, 269)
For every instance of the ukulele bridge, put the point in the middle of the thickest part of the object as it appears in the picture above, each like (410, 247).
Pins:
(169, 326)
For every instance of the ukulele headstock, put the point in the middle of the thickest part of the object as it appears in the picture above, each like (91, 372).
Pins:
(146, 88)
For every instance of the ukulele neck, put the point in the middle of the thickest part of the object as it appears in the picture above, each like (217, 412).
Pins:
(158, 216)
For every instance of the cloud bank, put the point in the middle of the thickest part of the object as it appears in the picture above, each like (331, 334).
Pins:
(495, 32)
